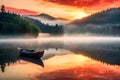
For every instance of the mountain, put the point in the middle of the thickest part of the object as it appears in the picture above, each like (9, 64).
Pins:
(106, 22)
(47, 19)
(45, 28)
(104, 17)
(61, 19)
(46, 16)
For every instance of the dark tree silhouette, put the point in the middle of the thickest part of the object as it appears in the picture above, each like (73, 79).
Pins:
(46, 28)
(13, 24)
(3, 8)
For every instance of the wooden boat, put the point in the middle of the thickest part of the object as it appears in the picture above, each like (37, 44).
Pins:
(30, 53)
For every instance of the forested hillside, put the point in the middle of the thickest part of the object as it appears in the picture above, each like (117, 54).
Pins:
(13, 24)
(106, 22)
(46, 28)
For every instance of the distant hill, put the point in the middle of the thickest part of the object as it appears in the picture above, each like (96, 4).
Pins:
(61, 19)
(47, 19)
(45, 28)
(106, 22)
(46, 16)
(104, 17)
(12, 24)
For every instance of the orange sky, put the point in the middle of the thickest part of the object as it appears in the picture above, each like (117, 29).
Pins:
(70, 9)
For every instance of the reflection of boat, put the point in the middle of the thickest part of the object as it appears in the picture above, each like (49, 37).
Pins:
(30, 53)
(33, 60)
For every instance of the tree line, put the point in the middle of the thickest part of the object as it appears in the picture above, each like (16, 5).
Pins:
(46, 28)
(13, 24)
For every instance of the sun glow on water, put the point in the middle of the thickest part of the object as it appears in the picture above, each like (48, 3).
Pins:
(66, 61)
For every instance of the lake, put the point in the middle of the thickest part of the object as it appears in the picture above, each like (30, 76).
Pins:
(73, 58)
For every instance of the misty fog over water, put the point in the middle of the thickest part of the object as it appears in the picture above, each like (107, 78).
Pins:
(62, 54)
(63, 42)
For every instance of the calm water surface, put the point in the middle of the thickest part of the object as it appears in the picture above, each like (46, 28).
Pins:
(86, 58)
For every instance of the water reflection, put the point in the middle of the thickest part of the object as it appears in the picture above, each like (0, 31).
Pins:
(108, 52)
(75, 67)
(73, 59)
(63, 66)
(7, 57)
(102, 49)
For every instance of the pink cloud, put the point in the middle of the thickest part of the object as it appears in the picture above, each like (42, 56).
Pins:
(21, 11)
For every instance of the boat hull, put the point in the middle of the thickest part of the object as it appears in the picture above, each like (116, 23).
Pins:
(36, 54)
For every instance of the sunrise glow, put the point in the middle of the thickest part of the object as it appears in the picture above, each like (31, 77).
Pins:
(69, 9)
(59, 39)
(79, 14)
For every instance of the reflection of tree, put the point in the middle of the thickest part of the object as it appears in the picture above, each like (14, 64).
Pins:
(3, 67)
(7, 57)
(3, 64)
(104, 52)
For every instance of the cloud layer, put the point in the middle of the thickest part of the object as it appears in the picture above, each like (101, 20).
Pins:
(84, 3)
(86, 6)
(21, 11)
(72, 9)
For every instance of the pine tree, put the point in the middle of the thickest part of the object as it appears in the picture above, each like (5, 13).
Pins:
(3, 9)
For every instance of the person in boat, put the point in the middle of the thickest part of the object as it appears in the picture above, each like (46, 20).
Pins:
(32, 50)
(26, 50)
